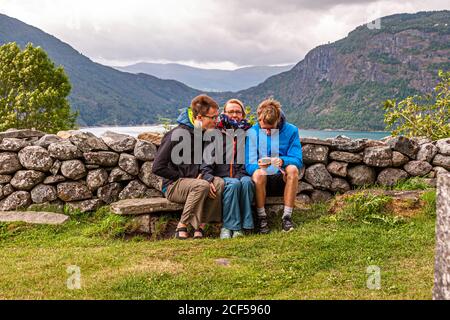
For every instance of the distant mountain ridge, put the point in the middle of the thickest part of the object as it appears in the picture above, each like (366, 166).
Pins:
(208, 79)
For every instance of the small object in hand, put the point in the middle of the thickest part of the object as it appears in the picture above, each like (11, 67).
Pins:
(265, 161)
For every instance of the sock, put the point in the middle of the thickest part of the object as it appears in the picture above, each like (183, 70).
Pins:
(287, 212)
(261, 212)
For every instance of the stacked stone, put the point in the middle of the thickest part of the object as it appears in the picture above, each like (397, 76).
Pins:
(340, 164)
(76, 168)
(84, 171)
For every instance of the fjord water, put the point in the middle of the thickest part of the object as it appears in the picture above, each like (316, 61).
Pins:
(322, 134)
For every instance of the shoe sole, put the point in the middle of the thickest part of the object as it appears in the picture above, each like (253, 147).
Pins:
(288, 230)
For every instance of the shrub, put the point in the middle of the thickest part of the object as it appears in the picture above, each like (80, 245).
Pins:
(427, 115)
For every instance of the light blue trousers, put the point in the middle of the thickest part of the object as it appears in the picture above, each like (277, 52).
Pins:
(237, 203)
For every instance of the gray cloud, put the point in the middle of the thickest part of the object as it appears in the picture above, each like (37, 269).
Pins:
(294, 5)
(252, 32)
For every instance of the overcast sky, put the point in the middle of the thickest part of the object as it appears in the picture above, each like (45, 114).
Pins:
(205, 33)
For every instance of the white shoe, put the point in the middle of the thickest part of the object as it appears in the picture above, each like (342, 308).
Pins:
(225, 233)
(237, 234)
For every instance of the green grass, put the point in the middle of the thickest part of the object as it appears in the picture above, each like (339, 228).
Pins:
(414, 183)
(368, 209)
(325, 257)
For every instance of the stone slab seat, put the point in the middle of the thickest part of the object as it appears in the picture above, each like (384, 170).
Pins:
(34, 217)
(144, 205)
(160, 204)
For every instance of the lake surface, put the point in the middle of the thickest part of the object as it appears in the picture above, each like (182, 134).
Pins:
(322, 134)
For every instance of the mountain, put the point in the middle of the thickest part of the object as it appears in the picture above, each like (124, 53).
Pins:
(102, 94)
(342, 85)
(208, 79)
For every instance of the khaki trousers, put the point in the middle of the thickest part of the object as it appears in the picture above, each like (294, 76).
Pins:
(198, 207)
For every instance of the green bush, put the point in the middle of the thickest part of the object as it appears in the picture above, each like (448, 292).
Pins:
(427, 115)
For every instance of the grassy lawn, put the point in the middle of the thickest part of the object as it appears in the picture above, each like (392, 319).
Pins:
(325, 257)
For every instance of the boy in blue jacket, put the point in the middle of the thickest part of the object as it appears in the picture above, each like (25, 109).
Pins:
(273, 159)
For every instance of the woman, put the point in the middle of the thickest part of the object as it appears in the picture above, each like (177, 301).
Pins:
(239, 189)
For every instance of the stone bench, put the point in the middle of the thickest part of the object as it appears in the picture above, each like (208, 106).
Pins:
(147, 211)
(160, 204)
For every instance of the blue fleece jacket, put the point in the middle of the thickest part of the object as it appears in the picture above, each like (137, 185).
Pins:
(285, 145)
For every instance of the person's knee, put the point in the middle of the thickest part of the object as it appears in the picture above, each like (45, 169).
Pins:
(233, 184)
(259, 177)
(201, 185)
(219, 184)
(246, 182)
(292, 172)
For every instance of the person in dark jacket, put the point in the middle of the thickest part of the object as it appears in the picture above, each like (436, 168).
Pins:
(239, 189)
(178, 162)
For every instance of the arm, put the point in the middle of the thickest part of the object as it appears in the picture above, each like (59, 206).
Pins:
(251, 151)
(162, 159)
(294, 153)
(207, 171)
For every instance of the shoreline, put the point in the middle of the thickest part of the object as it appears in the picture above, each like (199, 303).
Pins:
(161, 125)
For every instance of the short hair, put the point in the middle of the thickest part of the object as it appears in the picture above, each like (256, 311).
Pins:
(269, 111)
(235, 101)
(201, 104)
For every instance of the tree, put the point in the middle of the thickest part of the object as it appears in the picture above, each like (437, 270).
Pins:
(251, 117)
(33, 93)
(427, 115)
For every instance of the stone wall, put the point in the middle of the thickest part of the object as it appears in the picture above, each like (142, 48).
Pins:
(75, 167)
(340, 164)
(85, 171)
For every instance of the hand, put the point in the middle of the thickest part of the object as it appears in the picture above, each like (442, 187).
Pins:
(277, 162)
(212, 191)
(284, 175)
(263, 163)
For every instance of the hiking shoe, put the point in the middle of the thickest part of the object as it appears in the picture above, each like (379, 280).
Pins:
(263, 226)
(287, 224)
(225, 233)
(237, 234)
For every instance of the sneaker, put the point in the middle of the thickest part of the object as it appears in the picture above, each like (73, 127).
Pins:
(263, 225)
(225, 233)
(287, 224)
(237, 234)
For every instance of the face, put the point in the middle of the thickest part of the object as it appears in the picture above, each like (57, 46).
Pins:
(234, 111)
(209, 120)
(267, 127)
